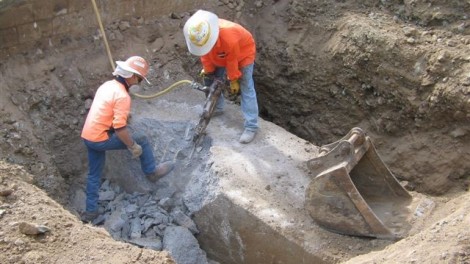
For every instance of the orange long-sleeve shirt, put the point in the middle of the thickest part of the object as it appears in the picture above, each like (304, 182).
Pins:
(234, 49)
(110, 109)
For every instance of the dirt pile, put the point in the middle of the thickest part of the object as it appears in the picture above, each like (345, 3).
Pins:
(445, 241)
(67, 239)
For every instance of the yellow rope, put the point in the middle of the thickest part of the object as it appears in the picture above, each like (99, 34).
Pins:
(102, 33)
(171, 87)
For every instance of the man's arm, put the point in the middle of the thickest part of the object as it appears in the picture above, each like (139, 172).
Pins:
(207, 64)
(124, 135)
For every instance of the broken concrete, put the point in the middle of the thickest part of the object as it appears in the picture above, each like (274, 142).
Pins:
(247, 200)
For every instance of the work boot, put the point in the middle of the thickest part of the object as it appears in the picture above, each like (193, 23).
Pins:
(247, 136)
(88, 217)
(162, 170)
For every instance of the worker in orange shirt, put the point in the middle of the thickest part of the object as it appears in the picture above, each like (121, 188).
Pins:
(226, 48)
(105, 129)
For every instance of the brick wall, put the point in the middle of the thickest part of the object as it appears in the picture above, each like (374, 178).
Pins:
(25, 23)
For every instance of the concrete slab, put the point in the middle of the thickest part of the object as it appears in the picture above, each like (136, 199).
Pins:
(247, 199)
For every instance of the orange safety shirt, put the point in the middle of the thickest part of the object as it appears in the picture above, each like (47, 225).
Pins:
(234, 49)
(110, 109)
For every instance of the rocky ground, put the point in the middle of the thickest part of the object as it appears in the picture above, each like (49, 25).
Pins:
(36, 229)
(398, 69)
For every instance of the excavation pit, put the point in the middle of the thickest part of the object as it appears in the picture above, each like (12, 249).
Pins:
(322, 67)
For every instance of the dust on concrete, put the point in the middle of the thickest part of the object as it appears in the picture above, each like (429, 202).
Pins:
(397, 69)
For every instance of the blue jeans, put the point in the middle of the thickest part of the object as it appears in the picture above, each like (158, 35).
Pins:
(249, 103)
(97, 158)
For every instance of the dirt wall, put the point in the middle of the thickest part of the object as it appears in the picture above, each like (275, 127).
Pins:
(28, 23)
(397, 69)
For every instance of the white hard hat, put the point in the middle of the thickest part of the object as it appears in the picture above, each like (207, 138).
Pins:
(201, 32)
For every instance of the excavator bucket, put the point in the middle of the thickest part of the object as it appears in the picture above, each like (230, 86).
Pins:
(353, 192)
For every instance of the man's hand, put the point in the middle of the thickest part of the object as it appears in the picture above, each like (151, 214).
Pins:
(234, 87)
(204, 74)
(207, 77)
(136, 150)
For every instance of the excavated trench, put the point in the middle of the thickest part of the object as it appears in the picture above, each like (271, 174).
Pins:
(201, 204)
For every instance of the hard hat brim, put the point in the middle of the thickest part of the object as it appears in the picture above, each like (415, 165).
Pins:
(124, 66)
(213, 21)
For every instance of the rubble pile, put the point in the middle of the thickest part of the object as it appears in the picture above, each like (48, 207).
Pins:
(149, 220)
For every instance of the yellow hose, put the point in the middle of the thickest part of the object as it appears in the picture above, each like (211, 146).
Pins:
(171, 87)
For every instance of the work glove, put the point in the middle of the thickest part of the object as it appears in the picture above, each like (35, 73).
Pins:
(136, 150)
(207, 77)
(234, 87)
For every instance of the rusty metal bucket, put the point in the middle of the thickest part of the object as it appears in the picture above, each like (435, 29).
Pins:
(353, 192)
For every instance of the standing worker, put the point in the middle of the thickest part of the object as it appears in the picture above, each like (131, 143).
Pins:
(106, 129)
(226, 48)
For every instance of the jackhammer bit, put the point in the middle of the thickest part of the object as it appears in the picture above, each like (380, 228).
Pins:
(212, 93)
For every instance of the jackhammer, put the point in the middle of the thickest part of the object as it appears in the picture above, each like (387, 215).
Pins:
(212, 93)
